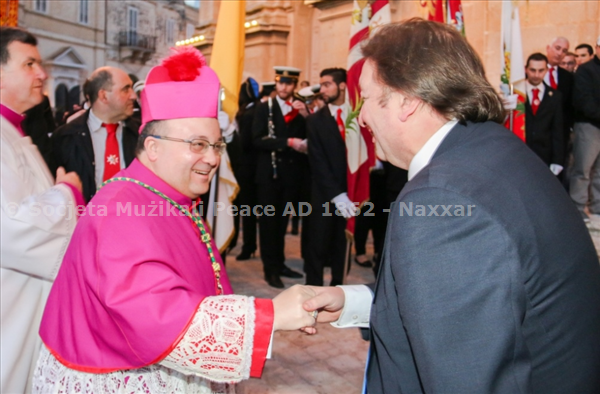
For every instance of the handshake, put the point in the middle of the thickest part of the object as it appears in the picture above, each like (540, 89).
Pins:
(301, 307)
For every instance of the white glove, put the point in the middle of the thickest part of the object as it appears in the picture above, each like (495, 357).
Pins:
(510, 102)
(229, 133)
(556, 169)
(345, 207)
(298, 145)
(223, 120)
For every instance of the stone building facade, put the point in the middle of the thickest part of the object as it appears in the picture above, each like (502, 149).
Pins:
(314, 34)
(77, 36)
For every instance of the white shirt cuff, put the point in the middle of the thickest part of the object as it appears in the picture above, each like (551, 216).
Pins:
(357, 307)
(270, 349)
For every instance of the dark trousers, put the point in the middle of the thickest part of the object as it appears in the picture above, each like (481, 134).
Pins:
(272, 228)
(326, 246)
(247, 196)
(372, 219)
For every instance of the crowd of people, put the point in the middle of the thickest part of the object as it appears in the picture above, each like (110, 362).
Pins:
(561, 119)
(111, 281)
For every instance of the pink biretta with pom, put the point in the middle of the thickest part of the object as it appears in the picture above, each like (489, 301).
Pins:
(183, 86)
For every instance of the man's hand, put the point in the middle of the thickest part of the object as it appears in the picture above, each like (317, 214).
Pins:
(301, 107)
(288, 310)
(344, 206)
(328, 301)
(71, 178)
(298, 145)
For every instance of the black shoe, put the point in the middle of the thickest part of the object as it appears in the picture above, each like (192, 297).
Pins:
(274, 281)
(366, 264)
(288, 273)
(244, 256)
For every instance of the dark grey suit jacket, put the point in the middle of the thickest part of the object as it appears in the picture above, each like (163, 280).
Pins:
(506, 300)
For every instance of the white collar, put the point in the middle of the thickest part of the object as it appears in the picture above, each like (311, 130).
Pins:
(334, 108)
(94, 122)
(424, 155)
(530, 88)
(282, 103)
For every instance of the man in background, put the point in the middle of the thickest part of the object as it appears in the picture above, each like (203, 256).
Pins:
(568, 62)
(543, 115)
(102, 141)
(585, 181)
(583, 53)
(38, 215)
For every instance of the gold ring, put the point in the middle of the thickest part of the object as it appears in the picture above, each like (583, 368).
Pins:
(314, 314)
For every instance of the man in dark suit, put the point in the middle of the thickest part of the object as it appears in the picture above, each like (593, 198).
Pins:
(489, 282)
(280, 161)
(100, 143)
(329, 166)
(562, 80)
(543, 115)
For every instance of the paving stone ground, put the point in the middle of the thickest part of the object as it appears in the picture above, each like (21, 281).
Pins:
(330, 362)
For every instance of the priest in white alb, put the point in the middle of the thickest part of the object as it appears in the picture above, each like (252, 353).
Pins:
(38, 214)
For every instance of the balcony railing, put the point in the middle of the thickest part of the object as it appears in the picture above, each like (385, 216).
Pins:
(134, 40)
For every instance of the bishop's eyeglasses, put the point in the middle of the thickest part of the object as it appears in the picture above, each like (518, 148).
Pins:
(197, 145)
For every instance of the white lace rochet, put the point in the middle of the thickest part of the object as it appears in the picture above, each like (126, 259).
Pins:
(215, 352)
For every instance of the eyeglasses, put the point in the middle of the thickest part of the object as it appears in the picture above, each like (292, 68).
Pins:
(197, 145)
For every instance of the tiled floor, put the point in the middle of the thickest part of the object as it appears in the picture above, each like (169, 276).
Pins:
(332, 361)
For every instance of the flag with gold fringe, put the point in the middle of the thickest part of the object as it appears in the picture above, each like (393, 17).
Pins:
(227, 59)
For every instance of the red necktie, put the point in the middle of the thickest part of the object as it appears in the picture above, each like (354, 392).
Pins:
(340, 123)
(112, 163)
(291, 115)
(552, 80)
(535, 103)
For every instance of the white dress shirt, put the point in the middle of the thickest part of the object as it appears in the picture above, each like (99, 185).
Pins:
(98, 134)
(424, 155)
(357, 305)
(529, 87)
(285, 109)
(334, 108)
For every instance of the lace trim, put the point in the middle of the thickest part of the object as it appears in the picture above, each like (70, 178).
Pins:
(53, 377)
(218, 342)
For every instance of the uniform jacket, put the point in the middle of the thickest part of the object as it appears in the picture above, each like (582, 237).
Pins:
(38, 219)
(289, 162)
(327, 157)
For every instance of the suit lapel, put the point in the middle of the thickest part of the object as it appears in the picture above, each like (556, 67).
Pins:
(84, 136)
(330, 123)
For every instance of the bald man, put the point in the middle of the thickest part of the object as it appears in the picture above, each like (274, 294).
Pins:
(101, 142)
(562, 80)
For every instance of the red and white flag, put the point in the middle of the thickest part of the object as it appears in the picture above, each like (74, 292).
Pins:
(456, 17)
(513, 66)
(435, 10)
(366, 16)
